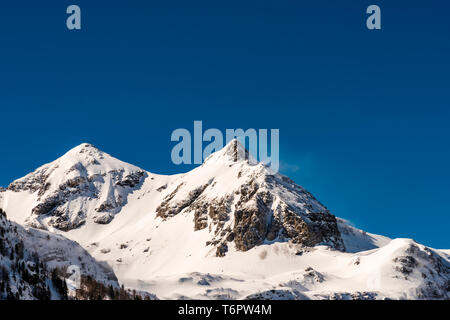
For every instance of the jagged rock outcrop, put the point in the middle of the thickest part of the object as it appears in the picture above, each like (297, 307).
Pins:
(170, 209)
(432, 268)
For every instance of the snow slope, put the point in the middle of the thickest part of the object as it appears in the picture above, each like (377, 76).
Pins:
(227, 229)
(356, 240)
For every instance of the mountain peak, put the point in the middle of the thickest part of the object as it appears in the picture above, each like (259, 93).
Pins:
(94, 159)
(227, 224)
(233, 151)
(84, 148)
(84, 145)
(85, 183)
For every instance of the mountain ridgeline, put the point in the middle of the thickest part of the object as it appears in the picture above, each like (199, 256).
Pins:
(229, 229)
(262, 206)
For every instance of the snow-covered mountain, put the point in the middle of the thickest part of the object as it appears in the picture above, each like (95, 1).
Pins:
(30, 258)
(227, 229)
(84, 184)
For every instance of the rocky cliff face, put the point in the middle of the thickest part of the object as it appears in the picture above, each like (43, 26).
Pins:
(258, 207)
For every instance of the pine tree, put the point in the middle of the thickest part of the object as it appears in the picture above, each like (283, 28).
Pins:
(65, 290)
(111, 293)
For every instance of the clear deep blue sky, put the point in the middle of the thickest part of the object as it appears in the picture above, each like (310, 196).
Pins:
(363, 115)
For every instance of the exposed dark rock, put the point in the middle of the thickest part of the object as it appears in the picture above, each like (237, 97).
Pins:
(218, 210)
(44, 189)
(200, 220)
(254, 215)
(221, 250)
(236, 152)
(131, 180)
(407, 264)
(34, 182)
(250, 224)
(430, 266)
(46, 207)
(80, 186)
(75, 182)
(162, 188)
(104, 218)
(312, 275)
(277, 294)
(65, 225)
(168, 209)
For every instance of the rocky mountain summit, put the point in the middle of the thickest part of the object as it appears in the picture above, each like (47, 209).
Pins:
(84, 183)
(254, 207)
(229, 229)
(258, 206)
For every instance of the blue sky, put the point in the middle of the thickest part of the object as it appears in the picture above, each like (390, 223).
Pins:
(363, 115)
